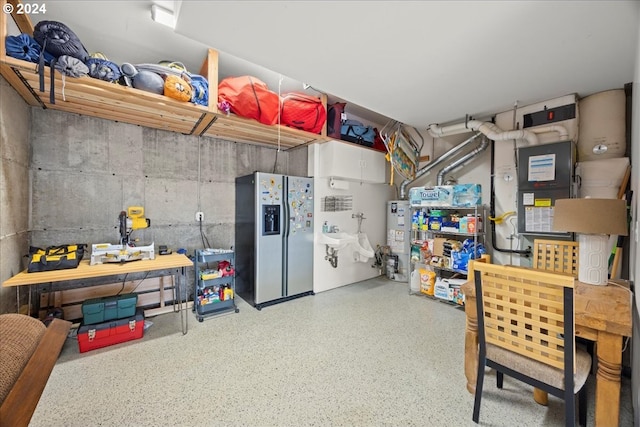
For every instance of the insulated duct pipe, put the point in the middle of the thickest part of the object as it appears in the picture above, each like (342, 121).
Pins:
(562, 132)
(492, 212)
(493, 132)
(436, 162)
(463, 160)
(490, 130)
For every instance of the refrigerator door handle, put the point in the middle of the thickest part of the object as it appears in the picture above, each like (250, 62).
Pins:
(285, 201)
(285, 236)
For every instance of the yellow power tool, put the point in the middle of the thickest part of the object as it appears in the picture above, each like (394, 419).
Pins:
(129, 220)
(132, 219)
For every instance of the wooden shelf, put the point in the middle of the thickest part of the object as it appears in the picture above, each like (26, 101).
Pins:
(247, 130)
(97, 98)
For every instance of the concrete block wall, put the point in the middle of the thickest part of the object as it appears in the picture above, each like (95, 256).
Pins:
(82, 171)
(14, 191)
(86, 170)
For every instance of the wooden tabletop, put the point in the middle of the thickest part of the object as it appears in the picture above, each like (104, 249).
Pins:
(603, 308)
(85, 271)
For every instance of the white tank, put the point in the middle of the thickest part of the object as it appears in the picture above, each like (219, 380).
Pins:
(602, 178)
(602, 126)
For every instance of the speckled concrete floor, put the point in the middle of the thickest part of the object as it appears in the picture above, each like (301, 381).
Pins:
(367, 354)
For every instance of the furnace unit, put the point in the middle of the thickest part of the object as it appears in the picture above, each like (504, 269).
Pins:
(545, 174)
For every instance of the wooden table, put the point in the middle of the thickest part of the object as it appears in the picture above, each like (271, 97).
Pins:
(602, 314)
(86, 271)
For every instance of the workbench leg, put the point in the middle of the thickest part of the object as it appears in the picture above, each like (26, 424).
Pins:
(184, 315)
(609, 351)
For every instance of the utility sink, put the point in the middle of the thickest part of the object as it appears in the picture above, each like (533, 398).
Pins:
(338, 240)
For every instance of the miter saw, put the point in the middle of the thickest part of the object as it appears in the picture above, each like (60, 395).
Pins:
(132, 219)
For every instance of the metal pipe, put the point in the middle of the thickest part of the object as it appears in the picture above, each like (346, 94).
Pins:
(435, 163)
(484, 143)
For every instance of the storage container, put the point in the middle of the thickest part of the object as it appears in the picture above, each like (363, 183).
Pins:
(449, 289)
(91, 337)
(97, 310)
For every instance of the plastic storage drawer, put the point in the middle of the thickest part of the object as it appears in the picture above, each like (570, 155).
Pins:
(97, 310)
(91, 337)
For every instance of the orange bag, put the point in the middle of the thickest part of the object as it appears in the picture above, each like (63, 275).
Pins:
(249, 97)
(177, 88)
(303, 111)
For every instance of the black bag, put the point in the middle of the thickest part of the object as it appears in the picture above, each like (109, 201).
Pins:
(57, 39)
(55, 257)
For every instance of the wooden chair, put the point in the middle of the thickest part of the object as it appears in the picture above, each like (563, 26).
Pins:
(526, 330)
(28, 353)
(558, 256)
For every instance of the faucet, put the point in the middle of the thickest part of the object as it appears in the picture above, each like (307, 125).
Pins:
(360, 216)
(334, 229)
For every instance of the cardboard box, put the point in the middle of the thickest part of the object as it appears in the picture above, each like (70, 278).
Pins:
(438, 246)
(449, 289)
(462, 225)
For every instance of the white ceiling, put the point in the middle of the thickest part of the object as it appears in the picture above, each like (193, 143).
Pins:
(418, 62)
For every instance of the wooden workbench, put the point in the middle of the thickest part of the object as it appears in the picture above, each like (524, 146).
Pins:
(86, 271)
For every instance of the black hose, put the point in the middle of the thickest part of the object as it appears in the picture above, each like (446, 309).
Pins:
(492, 212)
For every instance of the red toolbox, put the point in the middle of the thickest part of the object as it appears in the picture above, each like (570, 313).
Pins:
(91, 337)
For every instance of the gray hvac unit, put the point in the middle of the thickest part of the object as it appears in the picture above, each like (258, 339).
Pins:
(545, 174)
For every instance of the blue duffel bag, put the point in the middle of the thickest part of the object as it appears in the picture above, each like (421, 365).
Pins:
(354, 131)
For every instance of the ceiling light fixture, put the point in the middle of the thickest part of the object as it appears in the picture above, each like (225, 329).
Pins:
(163, 16)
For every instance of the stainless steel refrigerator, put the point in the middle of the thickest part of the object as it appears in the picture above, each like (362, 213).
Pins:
(274, 238)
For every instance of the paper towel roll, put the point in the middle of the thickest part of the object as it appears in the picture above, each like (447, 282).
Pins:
(338, 184)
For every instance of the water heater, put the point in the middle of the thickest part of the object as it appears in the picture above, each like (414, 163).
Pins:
(399, 237)
(545, 174)
(602, 126)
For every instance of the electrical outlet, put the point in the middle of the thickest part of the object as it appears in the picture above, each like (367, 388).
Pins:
(199, 216)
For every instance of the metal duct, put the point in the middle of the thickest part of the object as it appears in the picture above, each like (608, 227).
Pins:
(436, 162)
(464, 159)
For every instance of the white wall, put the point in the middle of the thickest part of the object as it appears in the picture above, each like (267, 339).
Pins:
(367, 198)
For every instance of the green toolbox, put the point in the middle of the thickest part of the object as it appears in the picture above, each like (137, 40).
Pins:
(98, 310)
